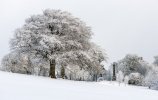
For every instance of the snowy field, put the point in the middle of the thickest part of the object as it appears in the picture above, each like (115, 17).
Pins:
(24, 87)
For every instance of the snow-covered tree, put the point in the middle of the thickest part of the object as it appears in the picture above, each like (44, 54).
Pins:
(155, 61)
(151, 80)
(133, 64)
(57, 36)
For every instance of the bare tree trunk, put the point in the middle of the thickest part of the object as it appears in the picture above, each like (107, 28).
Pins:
(52, 69)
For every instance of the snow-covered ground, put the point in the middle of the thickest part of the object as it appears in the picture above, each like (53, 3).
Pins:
(25, 87)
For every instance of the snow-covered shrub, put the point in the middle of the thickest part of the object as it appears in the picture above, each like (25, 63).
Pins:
(73, 72)
(135, 79)
(120, 77)
(126, 79)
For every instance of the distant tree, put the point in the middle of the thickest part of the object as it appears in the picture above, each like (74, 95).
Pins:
(151, 80)
(155, 61)
(133, 64)
(57, 36)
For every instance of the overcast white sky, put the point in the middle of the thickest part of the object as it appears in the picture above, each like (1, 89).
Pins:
(120, 26)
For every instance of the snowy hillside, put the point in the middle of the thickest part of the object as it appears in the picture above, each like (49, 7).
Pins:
(24, 87)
